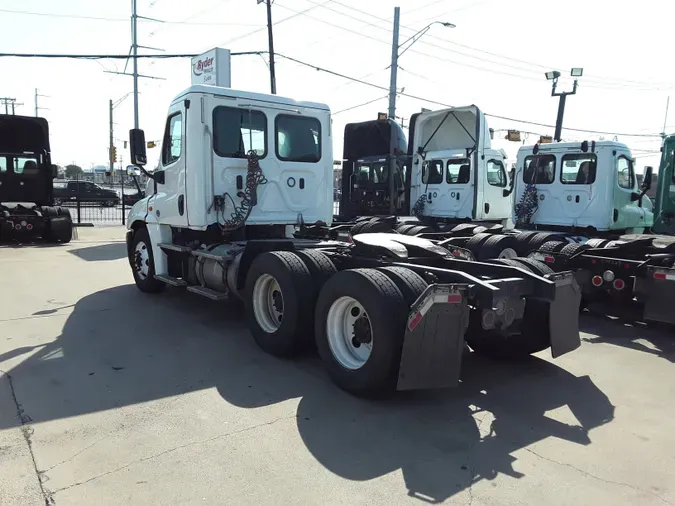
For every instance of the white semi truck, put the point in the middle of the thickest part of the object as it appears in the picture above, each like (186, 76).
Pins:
(242, 174)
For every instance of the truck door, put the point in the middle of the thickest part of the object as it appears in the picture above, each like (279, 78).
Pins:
(626, 212)
(577, 175)
(448, 188)
(493, 205)
(170, 203)
(539, 170)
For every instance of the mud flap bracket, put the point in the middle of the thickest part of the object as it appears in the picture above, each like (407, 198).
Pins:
(434, 338)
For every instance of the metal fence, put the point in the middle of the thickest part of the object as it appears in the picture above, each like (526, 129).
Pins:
(95, 203)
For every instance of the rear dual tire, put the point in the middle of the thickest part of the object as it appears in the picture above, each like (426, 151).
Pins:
(357, 317)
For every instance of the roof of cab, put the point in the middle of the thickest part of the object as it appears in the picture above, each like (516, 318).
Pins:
(568, 146)
(262, 97)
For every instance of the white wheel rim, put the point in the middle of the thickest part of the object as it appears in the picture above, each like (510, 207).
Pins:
(508, 253)
(142, 259)
(268, 303)
(346, 348)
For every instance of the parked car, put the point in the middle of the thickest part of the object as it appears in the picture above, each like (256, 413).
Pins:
(85, 192)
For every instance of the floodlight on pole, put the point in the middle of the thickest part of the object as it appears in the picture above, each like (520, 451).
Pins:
(553, 75)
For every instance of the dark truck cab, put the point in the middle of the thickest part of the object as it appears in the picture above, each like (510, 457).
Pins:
(367, 152)
(26, 183)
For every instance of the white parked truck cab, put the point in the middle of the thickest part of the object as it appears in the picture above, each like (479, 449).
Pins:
(576, 186)
(456, 175)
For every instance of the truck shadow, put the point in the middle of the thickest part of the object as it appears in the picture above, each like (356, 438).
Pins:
(102, 252)
(120, 347)
(656, 339)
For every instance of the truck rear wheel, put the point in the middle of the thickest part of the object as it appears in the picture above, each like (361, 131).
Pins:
(497, 246)
(279, 298)
(359, 329)
(143, 263)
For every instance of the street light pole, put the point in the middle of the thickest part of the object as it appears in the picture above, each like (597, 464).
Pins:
(395, 48)
(394, 65)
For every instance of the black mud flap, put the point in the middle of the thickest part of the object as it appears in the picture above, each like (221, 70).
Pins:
(564, 314)
(434, 339)
(657, 290)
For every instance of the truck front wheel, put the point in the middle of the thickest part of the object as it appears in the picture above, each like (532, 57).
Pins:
(143, 263)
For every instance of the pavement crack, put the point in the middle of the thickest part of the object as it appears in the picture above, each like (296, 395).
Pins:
(76, 454)
(28, 432)
(599, 478)
(171, 450)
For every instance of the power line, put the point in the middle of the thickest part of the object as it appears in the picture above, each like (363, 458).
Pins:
(408, 95)
(361, 105)
(159, 56)
(117, 20)
(590, 78)
(253, 32)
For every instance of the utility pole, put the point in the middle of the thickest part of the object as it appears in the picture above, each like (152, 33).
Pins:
(134, 54)
(110, 144)
(270, 37)
(37, 107)
(665, 119)
(9, 101)
(392, 111)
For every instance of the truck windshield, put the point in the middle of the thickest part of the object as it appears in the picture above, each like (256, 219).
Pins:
(539, 169)
(375, 172)
(298, 138)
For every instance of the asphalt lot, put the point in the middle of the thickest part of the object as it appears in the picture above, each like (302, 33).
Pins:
(110, 396)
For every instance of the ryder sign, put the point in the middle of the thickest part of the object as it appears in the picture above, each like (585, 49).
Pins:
(212, 67)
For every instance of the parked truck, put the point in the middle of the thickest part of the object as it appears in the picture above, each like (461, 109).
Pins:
(26, 183)
(241, 174)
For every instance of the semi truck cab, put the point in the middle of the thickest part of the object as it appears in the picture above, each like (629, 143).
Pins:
(455, 174)
(580, 185)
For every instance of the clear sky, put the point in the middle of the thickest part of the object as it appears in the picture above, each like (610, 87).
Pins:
(495, 58)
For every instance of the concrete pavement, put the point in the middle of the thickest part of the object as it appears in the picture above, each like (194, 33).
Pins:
(121, 397)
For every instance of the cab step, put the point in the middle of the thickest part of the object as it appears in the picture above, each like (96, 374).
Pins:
(174, 247)
(207, 292)
(170, 280)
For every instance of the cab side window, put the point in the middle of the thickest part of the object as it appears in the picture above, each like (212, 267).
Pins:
(625, 173)
(173, 139)
(432, 172)
(496, 173)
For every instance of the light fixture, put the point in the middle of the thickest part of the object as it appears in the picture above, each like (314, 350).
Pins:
(577, 72)
(553, 74)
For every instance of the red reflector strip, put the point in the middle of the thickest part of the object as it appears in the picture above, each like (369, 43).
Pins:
(456, 253)
(413, 323)
(549, 260)
(660, 275)
(454, 298)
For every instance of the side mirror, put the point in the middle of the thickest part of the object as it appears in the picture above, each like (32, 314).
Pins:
(55, 171)
(158, 176)
(647, 179)
(137, 147)
(635, 196)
